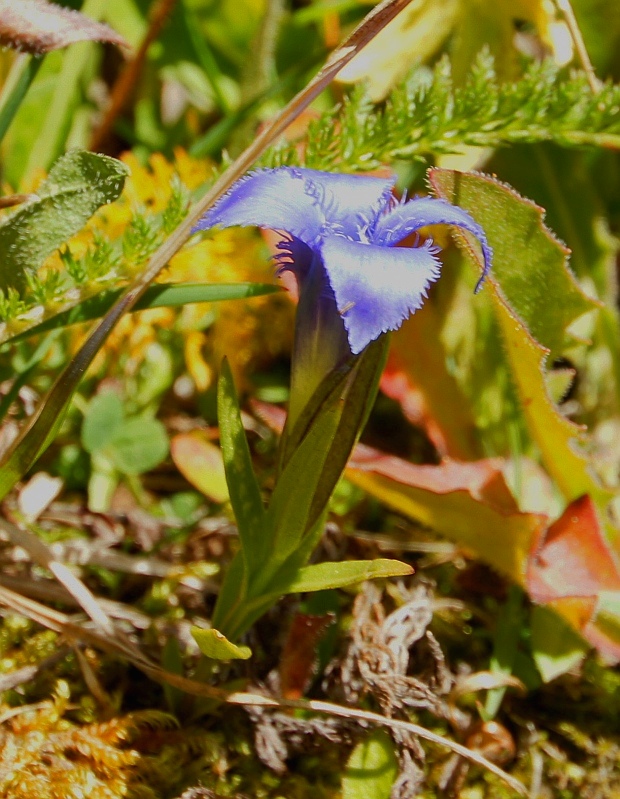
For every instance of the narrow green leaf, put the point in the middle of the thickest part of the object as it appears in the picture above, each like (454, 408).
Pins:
(244, 490)
(322, 454)
(58, 115)
(78, 184)
(159, 295)
(216, 646)
(320, 576)
(288, 515)
(354, 411)
(232, 597)
(244, 610)
(22, 73)
(372, 768)
(24, 374)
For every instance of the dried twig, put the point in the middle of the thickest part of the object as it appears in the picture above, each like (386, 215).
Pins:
(42, 555)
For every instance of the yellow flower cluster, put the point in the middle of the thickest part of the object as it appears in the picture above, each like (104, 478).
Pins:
(249, 332)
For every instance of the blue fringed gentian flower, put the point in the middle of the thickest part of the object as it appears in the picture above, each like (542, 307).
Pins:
(339, 237)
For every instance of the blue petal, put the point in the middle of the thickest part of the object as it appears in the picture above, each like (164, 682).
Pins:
(376, 288)
(301, 202)
(408, 217)
(269, 198)
(349, 202)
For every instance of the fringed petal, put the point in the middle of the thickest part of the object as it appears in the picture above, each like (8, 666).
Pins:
(269, 198)
(302, 202)
(350, 203)
(377, 288)
(406, 218)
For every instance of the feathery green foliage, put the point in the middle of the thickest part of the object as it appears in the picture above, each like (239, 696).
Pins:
(105, 264)
(429, 115)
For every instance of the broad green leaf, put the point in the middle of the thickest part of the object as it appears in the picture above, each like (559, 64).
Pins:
(321, 576)
(138, 446)
(244, 490)
(104, 417)
(78, 184)
(556, 646)
(529, 263)
(371, 769)
(214, 645)
(200, 462)
(492, 204)
(570, 185)
(159, 295)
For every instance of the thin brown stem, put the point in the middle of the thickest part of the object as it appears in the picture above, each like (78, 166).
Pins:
(123, 89)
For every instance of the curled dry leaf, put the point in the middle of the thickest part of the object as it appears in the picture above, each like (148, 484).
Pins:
(38, 27)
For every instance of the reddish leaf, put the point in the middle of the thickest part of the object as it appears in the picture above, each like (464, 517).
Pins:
(469, 503)
(200, 461)
(572, 557)
(572, 570)
(37, 26)
(483, 479)
(298, 661)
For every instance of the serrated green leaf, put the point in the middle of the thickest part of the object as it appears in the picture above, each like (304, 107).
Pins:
(529, 263)
(78, 184)
(371, 769)
(138, 445)
(104, 417)
(214, 645)
(555, 435)
(321, 576)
